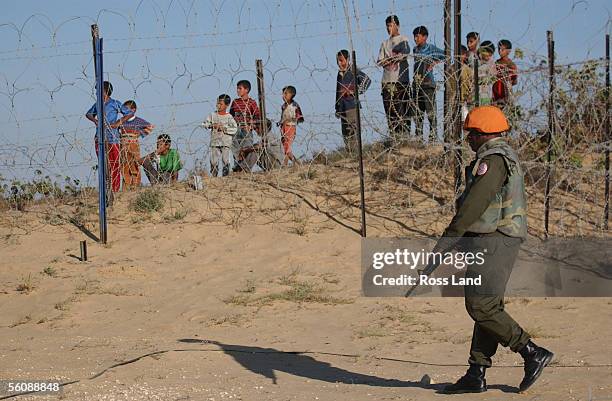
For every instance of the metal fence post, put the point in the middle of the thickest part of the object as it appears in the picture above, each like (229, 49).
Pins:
(448, 68)
(607, 136)
(551, 127)
(458, 159)
(101, 137)
(476, 82)
(261, 95)
(360, 148)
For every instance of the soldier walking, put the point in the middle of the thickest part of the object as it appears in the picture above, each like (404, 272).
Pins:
(491, 216)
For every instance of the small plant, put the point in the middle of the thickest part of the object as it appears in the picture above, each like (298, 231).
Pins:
(63, 305)
(249, 287)
(575, 160)
(289, 279)
(300, 225)
(87, 287)
(372, 332)
(139, 218)
(180, 214)
(301, 291)
(229, 319)
(236, 220)
(116, 291)
(309, 174)
(149, 200)
(54, 219)
(300, 228)
(601, 163)
(27, 285)
(298, 291)
(49, 271)
(23, 320)
(304, 291)
(330, 278)
(176, 216)
(239, 300)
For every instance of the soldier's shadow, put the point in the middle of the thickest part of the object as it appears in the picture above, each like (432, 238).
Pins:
(267, 361)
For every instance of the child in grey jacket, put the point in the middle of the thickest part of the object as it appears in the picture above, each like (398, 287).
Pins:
(223, 128)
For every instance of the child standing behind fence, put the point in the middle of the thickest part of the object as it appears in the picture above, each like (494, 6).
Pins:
(291, 116)
(223, 128)
(487, 73)
(346, 104)
(112, 122)
(246, 113)
(426, 56)
(473, 42)
(466, 77)
(506, 74)
(131, 130)
(393, 57)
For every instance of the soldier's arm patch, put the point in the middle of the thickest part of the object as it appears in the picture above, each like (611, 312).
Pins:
(482, 168)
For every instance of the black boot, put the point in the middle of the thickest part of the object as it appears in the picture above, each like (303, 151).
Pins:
(472, 382)
(536, 359)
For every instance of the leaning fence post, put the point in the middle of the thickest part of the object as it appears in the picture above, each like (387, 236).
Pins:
(607, 136)
(551, 127)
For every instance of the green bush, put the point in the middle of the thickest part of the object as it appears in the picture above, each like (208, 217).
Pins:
(149, 200)
(575, 161)
(18, 193)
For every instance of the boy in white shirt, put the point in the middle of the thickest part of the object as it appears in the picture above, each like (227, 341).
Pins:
(393, 57)
(487, 73)
(223, 128)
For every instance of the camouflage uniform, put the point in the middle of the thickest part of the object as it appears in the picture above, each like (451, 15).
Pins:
(492, 214)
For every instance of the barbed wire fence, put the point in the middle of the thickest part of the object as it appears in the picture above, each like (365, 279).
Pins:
(48, 161)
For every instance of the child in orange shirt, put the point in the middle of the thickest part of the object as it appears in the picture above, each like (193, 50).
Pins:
(291, 116)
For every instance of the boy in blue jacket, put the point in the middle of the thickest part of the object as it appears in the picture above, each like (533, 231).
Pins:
(346, 104)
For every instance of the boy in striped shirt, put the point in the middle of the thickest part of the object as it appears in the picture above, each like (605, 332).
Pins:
(131, 130)
(246, 113)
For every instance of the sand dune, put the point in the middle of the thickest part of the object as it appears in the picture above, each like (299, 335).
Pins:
(250, 290)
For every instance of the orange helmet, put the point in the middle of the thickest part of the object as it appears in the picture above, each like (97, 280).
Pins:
(486, 120)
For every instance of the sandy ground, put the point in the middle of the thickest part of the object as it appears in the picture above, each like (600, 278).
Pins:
(218, 299)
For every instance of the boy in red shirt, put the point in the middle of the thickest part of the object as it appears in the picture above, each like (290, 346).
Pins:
(247, 116)
(506, 74)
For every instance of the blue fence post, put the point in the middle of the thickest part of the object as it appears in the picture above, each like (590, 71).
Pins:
(101, 137)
